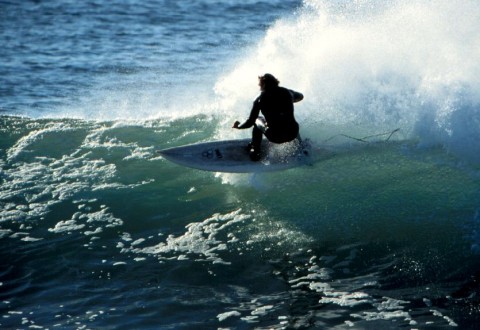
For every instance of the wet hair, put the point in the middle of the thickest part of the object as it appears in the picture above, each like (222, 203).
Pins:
(268, 80)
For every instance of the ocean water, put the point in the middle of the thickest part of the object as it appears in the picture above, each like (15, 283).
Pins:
(97, 231)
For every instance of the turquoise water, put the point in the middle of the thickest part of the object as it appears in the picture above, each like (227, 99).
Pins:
(98, 231)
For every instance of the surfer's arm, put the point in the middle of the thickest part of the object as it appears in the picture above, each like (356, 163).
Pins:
(296, 96)
(251, 119)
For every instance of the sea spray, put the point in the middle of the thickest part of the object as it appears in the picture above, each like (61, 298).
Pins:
(366, 67)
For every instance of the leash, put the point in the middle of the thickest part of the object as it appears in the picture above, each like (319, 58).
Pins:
(364, 139)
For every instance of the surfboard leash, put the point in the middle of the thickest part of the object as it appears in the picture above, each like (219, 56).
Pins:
(364, 139)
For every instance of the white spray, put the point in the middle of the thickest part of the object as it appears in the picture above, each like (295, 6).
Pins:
(368, 66)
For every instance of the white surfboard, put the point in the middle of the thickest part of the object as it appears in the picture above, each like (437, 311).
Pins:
(232, 156)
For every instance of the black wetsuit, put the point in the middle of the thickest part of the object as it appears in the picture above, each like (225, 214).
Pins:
(276, 105)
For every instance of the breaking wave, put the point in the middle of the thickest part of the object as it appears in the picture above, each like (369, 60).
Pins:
(366, 67)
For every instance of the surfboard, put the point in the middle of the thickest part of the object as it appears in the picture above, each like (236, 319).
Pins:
(231, 156)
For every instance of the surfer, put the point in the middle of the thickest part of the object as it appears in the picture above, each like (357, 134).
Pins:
(278, 123)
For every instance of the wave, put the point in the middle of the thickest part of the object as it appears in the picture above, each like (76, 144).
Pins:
(364, 68)
(367, 67)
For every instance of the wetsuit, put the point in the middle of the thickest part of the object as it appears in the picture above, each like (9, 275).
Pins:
(276, 105)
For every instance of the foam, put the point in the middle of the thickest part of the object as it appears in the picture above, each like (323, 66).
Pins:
(214, 239)
(223, 316)
(80, 221)
(37, 183)
(66, 226)
(199, 241)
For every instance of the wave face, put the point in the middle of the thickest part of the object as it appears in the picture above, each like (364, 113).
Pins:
(101, 229)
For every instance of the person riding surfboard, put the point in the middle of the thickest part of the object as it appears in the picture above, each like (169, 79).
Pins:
(278, 122)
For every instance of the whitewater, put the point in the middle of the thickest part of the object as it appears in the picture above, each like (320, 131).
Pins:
(99, 231)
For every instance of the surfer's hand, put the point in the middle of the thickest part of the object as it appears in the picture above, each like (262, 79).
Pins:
(235, 124)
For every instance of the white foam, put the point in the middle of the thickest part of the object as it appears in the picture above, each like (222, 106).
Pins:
(345, 299)
(262, 310)
(138, 241)
(81, 220)
(390, 304)
(38, 182)
(200, 239)
(31, 239)
(98, 139)
(97, 231)
(66, 226)
(373, 316)
(223, 316)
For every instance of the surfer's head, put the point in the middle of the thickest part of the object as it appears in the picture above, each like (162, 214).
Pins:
(267, 81)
